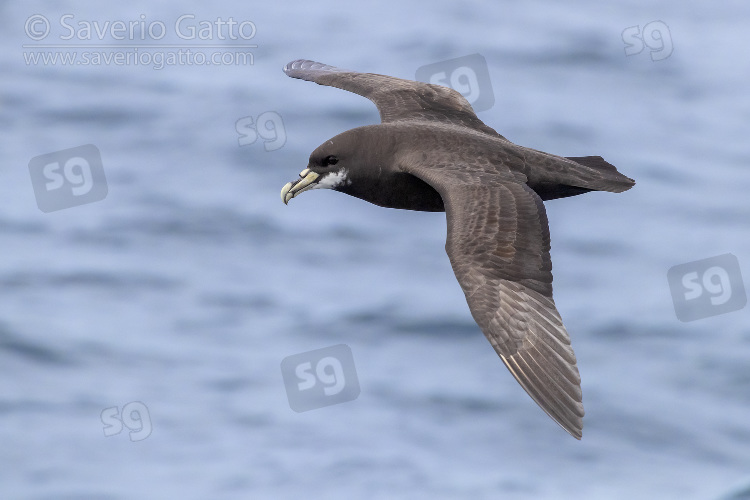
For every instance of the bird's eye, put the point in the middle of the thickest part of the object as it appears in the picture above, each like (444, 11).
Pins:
(330, 160)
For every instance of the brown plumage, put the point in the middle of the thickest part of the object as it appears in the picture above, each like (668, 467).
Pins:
(432, 153)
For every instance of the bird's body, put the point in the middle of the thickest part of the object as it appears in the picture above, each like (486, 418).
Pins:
(550, 176)
(432, 153)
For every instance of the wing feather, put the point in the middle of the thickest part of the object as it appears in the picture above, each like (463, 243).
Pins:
(396, 99)
(498, 245)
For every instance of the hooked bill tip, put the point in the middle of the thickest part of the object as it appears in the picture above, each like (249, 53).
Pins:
(285, 193)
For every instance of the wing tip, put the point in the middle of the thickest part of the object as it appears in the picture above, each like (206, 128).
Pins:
(574, 427)
(576, 432)
(571, 421)
(298, 65)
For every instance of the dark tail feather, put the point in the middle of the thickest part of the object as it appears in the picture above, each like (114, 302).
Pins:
(555, 191)
(588, 173)
(611, 179)
(596, 162)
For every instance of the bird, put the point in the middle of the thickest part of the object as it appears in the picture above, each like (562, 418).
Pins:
(432, 153)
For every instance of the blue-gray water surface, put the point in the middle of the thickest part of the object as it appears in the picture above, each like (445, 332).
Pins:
(182, 290)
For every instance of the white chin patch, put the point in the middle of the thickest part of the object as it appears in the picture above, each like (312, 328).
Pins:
(332, 180)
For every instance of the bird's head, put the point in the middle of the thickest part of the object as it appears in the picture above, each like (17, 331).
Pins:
(343, 163)
(327, 169)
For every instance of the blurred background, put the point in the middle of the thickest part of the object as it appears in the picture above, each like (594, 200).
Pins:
(141, 333)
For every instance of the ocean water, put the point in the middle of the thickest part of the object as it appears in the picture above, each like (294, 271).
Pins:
(183, 289)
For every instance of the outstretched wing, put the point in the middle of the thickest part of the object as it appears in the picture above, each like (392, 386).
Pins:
(395, 98)
(498, 244)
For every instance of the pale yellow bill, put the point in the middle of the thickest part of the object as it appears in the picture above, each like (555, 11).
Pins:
(306, 181)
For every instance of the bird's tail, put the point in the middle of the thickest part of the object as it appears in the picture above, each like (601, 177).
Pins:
(607, 177)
